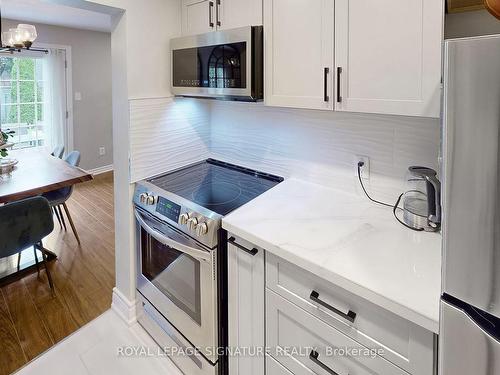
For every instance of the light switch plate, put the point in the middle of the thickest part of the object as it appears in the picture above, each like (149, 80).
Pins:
(78, 96)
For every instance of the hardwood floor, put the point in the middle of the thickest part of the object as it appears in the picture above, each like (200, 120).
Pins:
(32, 319)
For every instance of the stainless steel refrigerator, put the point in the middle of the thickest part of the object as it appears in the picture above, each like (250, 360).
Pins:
(470, 307)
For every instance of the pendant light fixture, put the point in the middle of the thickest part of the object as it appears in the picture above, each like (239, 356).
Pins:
(18, 39)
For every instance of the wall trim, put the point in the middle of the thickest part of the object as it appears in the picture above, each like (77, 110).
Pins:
(125, 308)
(101, 170)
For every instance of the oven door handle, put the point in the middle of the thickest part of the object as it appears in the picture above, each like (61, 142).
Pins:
(195, 253)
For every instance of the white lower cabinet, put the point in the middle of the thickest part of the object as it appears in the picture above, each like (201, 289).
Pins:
(304, 344)
(246, 295)
(310, 326)
(400, 341)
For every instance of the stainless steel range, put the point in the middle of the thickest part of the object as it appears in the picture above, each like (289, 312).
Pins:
(181, 257)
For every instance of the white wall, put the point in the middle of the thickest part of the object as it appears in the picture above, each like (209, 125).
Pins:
(91, 68)
(150, 24)
(466, 24)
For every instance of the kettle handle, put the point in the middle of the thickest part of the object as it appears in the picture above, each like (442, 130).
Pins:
(434, 200)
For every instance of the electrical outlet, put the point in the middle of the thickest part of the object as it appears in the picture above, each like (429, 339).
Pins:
(365, 169)
(102, 151)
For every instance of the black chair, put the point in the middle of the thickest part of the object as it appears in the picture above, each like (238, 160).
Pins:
(58, 198)
(24, 224)
(58, 152)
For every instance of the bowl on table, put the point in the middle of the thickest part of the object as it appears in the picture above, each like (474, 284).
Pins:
(7, 165)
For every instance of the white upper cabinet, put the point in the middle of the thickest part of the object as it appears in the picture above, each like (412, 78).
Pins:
(390, 55)
(239, 13)
(198, 16)
(383, 56)
(201, 16)
(298, 40)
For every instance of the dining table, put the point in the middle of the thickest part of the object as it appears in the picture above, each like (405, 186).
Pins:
(35, 173)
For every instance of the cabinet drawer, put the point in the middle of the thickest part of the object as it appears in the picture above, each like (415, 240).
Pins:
(309, 345)
(273, 367)
(403, 343)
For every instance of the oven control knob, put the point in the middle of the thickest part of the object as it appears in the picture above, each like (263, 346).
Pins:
(143, 197)
(202, 229)
(151, 199)
(184, 218)
(193, 223)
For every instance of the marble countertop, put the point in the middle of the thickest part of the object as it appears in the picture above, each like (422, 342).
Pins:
(349, 241)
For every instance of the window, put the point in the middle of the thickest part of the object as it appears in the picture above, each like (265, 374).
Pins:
(22, 100)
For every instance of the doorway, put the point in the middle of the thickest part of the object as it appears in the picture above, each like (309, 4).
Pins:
(34, 98)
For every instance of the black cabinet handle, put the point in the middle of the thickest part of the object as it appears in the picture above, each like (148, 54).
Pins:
(350, 316)
(326, 98)
(211, 14)
(252, 252)
(217, 11)
(339, 94)
(314, 356)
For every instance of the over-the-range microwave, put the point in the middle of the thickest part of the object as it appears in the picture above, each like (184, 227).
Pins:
(221, 64)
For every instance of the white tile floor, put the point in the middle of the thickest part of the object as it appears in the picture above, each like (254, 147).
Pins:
(94, 350)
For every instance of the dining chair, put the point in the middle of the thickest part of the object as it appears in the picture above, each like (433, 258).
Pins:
(58, 152)
(58, 198)
(24, 224)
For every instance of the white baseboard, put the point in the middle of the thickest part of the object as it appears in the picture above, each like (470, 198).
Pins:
(101, 170)
(125, 308)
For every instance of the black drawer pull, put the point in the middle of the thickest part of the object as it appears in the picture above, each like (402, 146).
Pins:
(252, 252)
(210, 14)
(326, 71)
(314, 356)
(339, 94)
(218, 13)
(350, 316)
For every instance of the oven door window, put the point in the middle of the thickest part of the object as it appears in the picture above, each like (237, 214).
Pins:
(174, 273)
(220, 66)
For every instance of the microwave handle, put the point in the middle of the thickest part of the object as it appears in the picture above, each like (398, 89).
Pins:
(195, 253)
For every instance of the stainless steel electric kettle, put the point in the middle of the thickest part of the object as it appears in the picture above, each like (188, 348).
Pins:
(422, 200)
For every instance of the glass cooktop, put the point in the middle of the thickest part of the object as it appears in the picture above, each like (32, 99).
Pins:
(217, 186)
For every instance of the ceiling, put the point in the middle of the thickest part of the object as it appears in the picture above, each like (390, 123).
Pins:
(51, 13)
